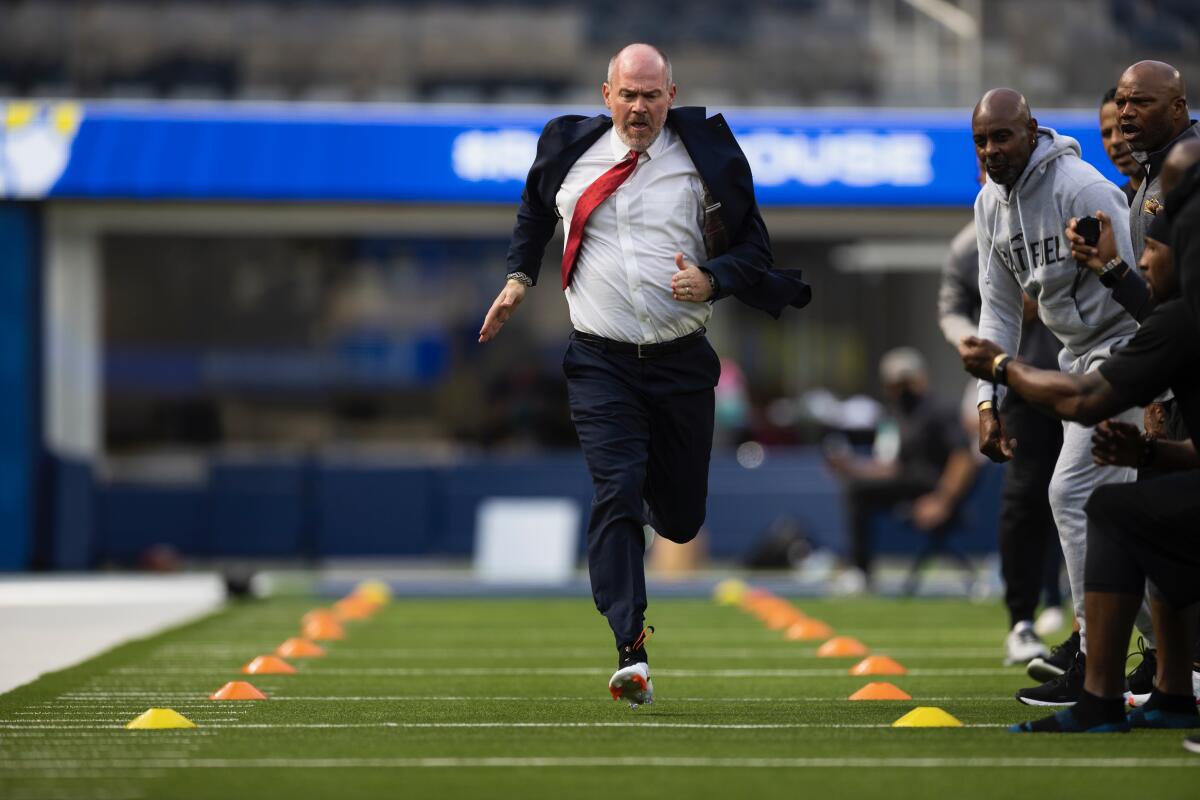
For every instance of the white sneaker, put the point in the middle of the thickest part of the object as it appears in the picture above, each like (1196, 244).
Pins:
(1049, 622)
(1136, 700)
(1022, 645)
(650, 535)
(849, 583)
(632, 684)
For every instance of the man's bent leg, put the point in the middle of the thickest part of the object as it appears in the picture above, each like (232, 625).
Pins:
(681, 435)
(612, 422)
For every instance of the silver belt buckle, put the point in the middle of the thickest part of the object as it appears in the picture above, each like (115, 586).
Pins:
(639, 351)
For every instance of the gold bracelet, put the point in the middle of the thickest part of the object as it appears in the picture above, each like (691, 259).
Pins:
(985, 405)
(996, 361)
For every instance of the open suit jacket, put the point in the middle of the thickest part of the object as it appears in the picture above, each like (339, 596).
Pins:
(738, 249)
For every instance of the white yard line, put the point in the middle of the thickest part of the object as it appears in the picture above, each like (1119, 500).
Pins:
(100, 702)
(572, 671)
(505, 725)
(607, 762)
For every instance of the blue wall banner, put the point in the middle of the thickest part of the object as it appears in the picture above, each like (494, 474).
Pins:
(476, 154)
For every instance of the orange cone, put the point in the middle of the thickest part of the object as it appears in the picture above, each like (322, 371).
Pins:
(323, 629)
(842, 647)
(237, 690)
(784, 618)
(353, 608)
(878, 665)
(881, 691)
(809, 630)
(268, 665)
(319, 614)
(299, 648)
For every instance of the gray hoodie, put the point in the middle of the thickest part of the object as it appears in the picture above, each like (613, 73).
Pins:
(1023, 247)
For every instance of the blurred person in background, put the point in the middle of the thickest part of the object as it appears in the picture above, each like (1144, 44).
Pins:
(926, 467)
(1036, 183)
(1137, 532)
(1115, 146)
(660, 220)
(1030, 555)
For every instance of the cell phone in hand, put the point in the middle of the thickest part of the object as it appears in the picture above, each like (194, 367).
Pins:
(1089, 229)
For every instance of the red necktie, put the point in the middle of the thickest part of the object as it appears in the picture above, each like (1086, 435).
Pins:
(592, 197)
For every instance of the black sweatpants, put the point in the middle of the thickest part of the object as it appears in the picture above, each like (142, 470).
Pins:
(1030, 553)
(646, 429)
(867, 496)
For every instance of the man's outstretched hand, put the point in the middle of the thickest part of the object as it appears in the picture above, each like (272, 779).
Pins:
(977, 356)
(505, 304)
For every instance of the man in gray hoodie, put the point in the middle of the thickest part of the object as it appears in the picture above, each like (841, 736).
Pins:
(1036, 183)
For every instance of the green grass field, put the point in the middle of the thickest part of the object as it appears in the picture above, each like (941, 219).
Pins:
(507, 698)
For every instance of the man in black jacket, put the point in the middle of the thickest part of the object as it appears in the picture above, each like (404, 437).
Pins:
(659, 221)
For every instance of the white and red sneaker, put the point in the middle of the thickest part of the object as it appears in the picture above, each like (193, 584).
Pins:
(632, 684)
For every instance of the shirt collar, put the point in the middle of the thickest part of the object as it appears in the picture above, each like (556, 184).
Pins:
(620, 149)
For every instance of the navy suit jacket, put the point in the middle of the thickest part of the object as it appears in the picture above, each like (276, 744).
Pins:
(743, 268)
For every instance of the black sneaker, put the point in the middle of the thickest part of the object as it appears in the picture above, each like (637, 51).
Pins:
(1058, 662)
(1061, 691)
(1141, 680)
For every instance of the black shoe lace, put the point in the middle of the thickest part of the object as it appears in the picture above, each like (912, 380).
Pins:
(1147, 662)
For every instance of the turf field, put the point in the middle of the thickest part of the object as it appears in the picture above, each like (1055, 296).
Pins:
(506, 698)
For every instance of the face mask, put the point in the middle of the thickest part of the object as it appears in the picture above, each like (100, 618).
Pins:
(908, 400)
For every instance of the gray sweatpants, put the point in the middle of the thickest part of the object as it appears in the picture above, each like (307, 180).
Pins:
(1075, 476)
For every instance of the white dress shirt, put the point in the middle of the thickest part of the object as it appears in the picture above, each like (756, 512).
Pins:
(621, 284)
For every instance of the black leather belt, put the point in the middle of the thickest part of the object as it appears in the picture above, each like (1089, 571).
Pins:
(653, 350)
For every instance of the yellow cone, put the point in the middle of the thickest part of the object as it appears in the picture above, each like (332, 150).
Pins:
(927, 717)
(377, 592)
(158, 719)
(729, 592)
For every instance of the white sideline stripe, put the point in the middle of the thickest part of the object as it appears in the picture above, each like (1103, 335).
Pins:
(773, 650)
(571, 671)
(522, 698)
(426, 725)
(559, 762)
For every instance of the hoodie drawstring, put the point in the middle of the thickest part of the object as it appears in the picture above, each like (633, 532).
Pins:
(987, 270)
(1024, 238)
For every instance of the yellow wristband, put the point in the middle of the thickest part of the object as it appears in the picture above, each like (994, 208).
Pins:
(996, 361)
(985, 405)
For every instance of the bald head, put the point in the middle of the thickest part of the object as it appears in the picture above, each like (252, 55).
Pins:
(1151, 105)
(1182, 157)
(640, 58)
(1005, 134)
(1007, 104)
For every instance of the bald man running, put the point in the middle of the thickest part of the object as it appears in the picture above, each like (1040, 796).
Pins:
(1036, 182)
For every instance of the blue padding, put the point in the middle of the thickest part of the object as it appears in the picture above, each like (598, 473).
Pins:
(340, 507)
(135, 517)
(744, 503)
(260, 509)
(72, 514)
(375, 510)
(19, 424)
(464, 486)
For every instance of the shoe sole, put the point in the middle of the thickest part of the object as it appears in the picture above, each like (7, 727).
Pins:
(1191, 746)
(1045, 703)
(1010, 661)
(1041, 670)
(633, 689)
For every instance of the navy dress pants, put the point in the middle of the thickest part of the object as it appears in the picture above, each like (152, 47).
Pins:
(645, 426)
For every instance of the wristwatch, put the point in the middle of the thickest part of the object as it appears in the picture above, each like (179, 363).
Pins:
(1111, 272)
